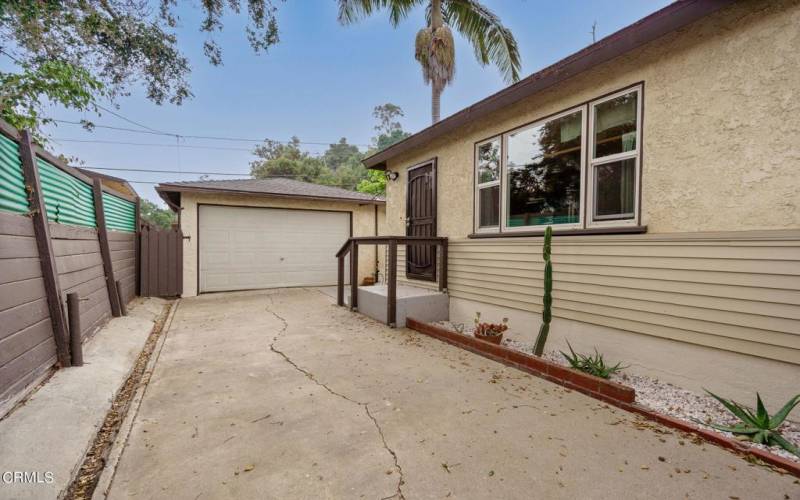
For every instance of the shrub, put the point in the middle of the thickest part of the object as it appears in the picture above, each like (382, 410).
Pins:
(759, 427)
(593, 365)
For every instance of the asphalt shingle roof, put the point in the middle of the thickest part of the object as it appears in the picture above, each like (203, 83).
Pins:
(274, 186)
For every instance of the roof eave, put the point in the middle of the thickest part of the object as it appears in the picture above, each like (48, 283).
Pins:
(164, 189)
(664, 21)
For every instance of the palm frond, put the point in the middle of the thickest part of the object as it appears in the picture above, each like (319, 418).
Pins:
(493, 42)
(351, 11)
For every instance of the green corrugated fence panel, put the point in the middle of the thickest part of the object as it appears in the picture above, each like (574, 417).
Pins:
(120, 214)
(68, 200)
(13, 197)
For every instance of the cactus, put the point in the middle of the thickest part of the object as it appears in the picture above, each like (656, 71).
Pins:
(547, 299)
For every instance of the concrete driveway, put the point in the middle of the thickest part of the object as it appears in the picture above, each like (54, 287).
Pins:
(281, 394)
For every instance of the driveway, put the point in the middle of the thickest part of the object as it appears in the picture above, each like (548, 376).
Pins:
(281, 394)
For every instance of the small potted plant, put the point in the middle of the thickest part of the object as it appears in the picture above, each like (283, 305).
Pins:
(490, 332)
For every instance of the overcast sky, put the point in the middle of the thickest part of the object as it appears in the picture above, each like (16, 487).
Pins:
(319, 83)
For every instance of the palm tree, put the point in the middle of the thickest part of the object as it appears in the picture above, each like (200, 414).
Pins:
(435, 51)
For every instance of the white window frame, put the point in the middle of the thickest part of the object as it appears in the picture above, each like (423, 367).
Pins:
(479, 186)
(586, 218)
(504, 198)
(593, 162)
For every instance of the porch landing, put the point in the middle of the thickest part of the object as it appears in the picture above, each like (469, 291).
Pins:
(419, 303)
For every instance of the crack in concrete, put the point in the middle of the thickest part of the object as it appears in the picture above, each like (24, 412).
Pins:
(310, 376)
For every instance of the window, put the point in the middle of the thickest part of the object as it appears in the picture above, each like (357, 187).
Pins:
(488, 184)
(543, 173)
(577, 169)
(615, 156)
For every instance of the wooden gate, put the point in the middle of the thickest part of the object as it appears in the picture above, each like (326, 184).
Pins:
(161, 269)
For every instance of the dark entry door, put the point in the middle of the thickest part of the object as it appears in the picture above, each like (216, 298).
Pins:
(421, 221)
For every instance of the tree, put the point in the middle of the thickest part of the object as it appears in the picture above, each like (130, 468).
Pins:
(375, 183)
(434, 45)
(341, 153)
(389, 129)
(71, 47)
(152, 214)
(277, 160)
(339, 166)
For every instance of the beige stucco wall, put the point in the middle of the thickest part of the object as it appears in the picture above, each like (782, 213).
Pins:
(716, 279)
(721, 121)
(363, 225)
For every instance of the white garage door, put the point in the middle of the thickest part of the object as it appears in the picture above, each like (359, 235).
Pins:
(248, 248)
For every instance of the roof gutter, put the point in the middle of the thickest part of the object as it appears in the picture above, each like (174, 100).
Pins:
(164, 191)
(647, 29)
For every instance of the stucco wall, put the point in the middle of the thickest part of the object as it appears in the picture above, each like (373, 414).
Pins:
(363, 225)
(719, 271)
(721, 118)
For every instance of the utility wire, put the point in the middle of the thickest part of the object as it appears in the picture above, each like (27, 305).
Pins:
(206, 137)
(129, 120)
(154, 144)
(125, 143)
(194, 172)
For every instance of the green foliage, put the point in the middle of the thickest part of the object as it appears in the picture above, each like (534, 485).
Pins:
(71, 46)
(759, 428)
(375, 183)
(339, 166)
(547, 298)
(152, 214)
(593, 365)
(340, 154)
(56, 81)
(389, 129)
(278, 160)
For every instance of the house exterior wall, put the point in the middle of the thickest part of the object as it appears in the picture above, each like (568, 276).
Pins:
(719, 267)
(363, 225)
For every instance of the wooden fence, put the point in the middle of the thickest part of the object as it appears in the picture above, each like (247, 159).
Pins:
(54, 240)
(161, 271)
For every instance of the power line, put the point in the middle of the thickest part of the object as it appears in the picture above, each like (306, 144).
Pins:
(128, 119)
(153, 183)
(191, 172)
(125, 143)
(205, 137)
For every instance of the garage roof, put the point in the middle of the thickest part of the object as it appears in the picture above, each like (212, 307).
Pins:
(275, 187)
(672, 17)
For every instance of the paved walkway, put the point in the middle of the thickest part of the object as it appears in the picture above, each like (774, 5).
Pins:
(281, 394)
(50, 433)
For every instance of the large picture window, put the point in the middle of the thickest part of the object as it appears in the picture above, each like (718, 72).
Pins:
(543, 173)
(574, 170)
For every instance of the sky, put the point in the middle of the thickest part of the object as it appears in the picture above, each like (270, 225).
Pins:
(320, 83)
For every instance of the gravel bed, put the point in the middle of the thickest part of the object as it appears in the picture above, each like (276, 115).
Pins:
(664, 397)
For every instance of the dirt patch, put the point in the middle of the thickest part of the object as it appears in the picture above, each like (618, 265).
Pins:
(82, 487)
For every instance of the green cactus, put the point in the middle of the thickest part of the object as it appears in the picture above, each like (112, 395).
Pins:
(547, 299)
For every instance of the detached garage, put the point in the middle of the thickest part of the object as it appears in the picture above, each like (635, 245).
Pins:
(268, 233)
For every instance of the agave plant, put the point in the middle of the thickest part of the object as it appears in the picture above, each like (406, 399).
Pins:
(593, 365)
(759, 428)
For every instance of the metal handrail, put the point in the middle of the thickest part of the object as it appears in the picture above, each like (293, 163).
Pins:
(351, 247)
